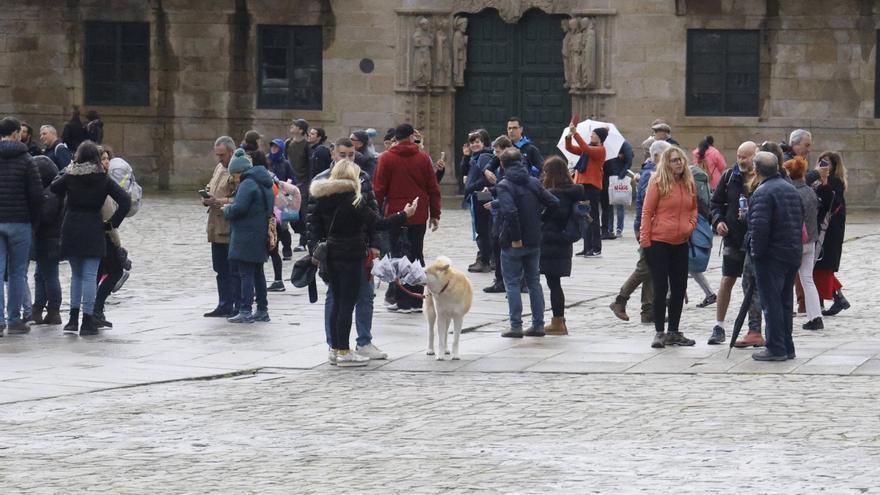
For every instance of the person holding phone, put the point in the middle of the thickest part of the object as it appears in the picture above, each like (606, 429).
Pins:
(477, 156)
(217, 194)
(830, 182)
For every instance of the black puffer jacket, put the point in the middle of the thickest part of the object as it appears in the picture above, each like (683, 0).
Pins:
(725, 207)
(20, 193)
(47, 236)
(776, 217)
(347, 228)
(369, 197)
(86, 186)
(556, 250)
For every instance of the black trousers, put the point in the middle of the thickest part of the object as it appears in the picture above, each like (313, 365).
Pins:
(416, 239)
(345, 283)
(483, 226)
(557, 296)
(607, 209)
(284, 236)
(111, 266)
(668, 264)
(593, 235)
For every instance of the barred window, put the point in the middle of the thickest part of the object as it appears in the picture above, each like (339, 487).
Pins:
(117, 63)
(723, 72)
(290, 67)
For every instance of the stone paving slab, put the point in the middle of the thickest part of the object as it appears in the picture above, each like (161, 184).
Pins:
(160, 335)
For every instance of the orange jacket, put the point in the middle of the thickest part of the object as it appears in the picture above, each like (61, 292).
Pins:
(595, 165)
(670, 218)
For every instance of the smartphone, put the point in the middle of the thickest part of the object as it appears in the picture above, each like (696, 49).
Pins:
(824, 163)
(204, 193)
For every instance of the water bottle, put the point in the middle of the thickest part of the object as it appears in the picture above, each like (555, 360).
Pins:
(743, 206)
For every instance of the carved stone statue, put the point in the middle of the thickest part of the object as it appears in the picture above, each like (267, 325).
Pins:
(443, 65)
(576, 52)
(588, 66)
(422, 42)
(566, 53)
(459, 49)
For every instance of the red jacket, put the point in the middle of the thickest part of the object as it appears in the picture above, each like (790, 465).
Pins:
(596, 164)
(404, 173)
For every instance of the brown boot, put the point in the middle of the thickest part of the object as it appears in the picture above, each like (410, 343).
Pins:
(752, 339)
(556, 326)
(618, 307)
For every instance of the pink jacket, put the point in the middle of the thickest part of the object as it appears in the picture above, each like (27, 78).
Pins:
(715, 164)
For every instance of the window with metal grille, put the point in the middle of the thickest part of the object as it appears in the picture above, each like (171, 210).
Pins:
(117, 63)
(723, 72)
(290, 67)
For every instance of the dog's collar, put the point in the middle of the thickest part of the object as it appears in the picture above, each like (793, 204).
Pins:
(444, 287)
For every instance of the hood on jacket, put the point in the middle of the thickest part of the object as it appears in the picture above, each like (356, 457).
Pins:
(12, 149)
(119, 170)
(329, 187)
(87, 168)
(258, 174)
(47, 169)
(405, 148)
(277, 157)
(516, 172)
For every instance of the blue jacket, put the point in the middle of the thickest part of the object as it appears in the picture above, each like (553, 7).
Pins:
(617, 166)
(520, 201)
(644, 176)
(476, 180)
(531, 155)
(248, 216)
(776, 217)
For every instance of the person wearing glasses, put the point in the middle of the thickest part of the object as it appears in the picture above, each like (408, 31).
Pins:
(531, 155)
(669, 216)
(477, 154)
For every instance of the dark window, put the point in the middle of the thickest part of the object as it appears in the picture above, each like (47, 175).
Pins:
(117, 63)
(290, 67)
(722, 72)
(877, 80)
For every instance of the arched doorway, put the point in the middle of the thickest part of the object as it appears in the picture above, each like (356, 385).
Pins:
(514, 69)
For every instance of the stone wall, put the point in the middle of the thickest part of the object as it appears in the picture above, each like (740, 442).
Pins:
(817, 72)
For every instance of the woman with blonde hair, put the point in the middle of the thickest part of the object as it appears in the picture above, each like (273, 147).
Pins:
(829, 178)
(669, 216)
(342, 223)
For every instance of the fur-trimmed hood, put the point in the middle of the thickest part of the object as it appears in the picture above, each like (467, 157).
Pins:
(87, 168)
(329, 187)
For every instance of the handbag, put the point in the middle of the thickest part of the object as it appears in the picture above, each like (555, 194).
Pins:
(320, 252)
(272, 232)
(700, 246)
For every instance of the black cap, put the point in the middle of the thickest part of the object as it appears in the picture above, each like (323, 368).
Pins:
(403, 131)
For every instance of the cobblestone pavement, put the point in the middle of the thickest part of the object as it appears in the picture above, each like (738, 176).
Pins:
(598, 411)
(401, 432)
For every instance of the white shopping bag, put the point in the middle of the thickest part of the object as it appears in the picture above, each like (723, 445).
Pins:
(620, 190)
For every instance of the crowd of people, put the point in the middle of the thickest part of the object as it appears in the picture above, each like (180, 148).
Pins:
(781, 222)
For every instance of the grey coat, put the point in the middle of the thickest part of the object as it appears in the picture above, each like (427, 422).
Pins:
(811, 209)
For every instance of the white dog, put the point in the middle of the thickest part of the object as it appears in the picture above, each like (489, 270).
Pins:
(448, 296)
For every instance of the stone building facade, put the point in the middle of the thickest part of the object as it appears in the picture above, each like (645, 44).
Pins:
(450, 65)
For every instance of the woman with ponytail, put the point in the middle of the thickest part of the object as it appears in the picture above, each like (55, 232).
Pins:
(708, 158)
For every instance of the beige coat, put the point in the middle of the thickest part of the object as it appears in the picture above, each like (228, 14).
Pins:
(222, 187)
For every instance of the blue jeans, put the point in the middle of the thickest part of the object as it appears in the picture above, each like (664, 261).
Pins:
(363, 311)
(252, 280)
(83, 283)
(47, 285)
(228, 281)
(775, 285)
(15, 245)
(515, 263)
(619, 210)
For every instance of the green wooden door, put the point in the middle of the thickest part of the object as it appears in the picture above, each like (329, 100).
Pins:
(514, 69)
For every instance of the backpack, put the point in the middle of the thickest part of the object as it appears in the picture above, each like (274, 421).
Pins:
(120, 171)
(576, 223)
(700, 246)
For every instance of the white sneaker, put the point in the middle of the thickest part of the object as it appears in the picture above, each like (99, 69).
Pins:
(347, 359)
(405, 311)
(391, 307)
(332, 355)
(372, 352)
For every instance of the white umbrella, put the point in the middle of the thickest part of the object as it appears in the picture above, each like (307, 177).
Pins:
(612, 144)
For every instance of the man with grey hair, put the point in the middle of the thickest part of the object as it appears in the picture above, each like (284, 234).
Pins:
(729, 205)
(55, 149)
(217, 194)
(799, 143)
(776, 216)
(641, 275)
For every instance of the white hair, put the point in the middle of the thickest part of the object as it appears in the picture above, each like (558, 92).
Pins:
(798, 135)
(50, 128)
(225, 141)
(658, 147)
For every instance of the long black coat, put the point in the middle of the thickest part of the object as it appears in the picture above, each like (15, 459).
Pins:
(47, 235)
(831, 196)
(556, 251)
(86, 186)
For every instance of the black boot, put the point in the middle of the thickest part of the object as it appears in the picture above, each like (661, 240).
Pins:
(72, 325)
(101, 320)
(53, 317)
(37, 315)
(88, 326)
(840, 303)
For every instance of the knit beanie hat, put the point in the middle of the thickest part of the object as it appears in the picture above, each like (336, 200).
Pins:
(362, 136)
(602, 132)
(239, 162)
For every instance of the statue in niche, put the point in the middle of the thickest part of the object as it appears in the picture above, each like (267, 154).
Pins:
(588, 65)
(566, 53)
(459, 49)
(575, 53)
(441, 50)
(422, 41)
